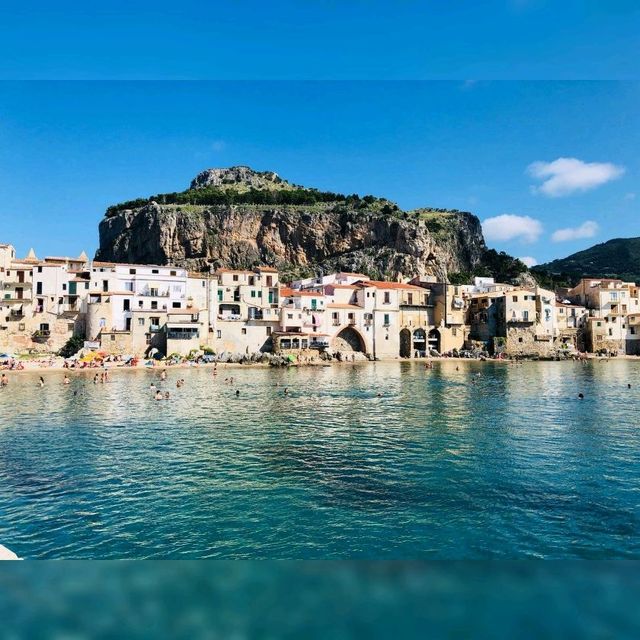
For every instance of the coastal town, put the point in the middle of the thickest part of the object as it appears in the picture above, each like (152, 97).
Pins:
(134, 310)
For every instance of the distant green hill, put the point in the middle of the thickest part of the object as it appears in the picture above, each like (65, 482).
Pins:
(617, 258)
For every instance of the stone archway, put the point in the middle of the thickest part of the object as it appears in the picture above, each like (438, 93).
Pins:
(405, 343)
(435, 341)
(349, 340)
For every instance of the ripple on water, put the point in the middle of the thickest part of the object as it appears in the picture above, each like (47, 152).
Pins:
(512, 465)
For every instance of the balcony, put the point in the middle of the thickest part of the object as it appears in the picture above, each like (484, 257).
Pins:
(154, 328)
(336, 323)
(182, 335)
(16, 315)
(148, 293)
(41, 336)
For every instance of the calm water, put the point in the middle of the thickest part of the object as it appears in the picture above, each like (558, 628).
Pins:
(511, 466)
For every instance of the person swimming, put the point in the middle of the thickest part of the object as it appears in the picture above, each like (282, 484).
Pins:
(581, 396)
(66, 379)
(41, 382)
(166, 395)
(159, 395)
(237, 392)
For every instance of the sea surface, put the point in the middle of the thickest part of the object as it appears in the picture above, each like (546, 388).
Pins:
(466, 461)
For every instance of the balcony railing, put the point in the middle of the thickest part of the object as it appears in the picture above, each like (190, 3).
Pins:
(336, 323)
(154, 328)
(181, 335)
(41, 336)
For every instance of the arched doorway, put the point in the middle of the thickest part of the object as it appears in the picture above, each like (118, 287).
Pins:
(420, 343)
(434, 340)
(349, 340)
(405, 343)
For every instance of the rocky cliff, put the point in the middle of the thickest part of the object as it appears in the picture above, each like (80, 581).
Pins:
(239, 218)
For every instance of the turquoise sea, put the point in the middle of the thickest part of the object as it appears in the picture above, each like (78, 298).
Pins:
(467, 461)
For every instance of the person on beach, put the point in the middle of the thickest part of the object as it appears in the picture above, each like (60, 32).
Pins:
(163, 375)
(95, 379)
(66, 379)
(4, 381)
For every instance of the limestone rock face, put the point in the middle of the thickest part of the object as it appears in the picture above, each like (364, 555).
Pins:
(300, 240)
(239, 176)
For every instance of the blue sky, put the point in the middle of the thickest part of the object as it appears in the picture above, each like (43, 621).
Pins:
(428, 103)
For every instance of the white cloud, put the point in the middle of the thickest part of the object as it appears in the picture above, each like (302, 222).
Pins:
(529, 261)
(565, 176)
(587, 229)
(510, 227)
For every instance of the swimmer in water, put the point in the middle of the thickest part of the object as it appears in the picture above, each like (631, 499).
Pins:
(237, 392)
(159, 395)
(66, 380)
(581, 396)
(166, 395)
(41, 382)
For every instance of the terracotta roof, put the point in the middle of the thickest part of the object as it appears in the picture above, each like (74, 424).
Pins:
(286, 292)
(333, 305)
(180, 312)
(343, 286)
(380, 284)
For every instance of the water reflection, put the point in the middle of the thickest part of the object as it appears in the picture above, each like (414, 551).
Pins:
(446, 463)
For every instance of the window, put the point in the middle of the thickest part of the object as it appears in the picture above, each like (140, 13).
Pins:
(244, 331)
(154, 304)
(128, 286)
(410, 298)
(219, 334)
(126, 304)
(154, 320)
(269, 281)
(387, 297)
(387, 320)
(132, 272)
(140, 304)
(519, 339)
(235, 277)
(454, 331)
(39, 288)
(175, 305)
(39, 269)
(268, 331)
(155, 271)
(253, 293)
(220, 294)
(141, 322)
(515, 298)
(113, 337)
(173, 273)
